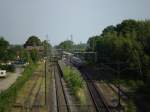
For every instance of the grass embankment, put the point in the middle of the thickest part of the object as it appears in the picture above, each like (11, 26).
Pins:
(74, 80)
(7, 97)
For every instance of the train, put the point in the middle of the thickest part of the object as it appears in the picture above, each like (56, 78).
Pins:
(73, 59)
(77, 61)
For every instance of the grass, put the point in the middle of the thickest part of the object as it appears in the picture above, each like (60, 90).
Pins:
(73, 78)
(130, 106)
(8, 97)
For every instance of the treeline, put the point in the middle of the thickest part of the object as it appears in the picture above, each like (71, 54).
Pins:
(70, 46)
(10, 52)
(127, 43)
(6, 52)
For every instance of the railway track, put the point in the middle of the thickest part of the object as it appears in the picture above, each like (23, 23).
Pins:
(30, 101)
(26, 102)
(115, 88)
(32, 98)
(98, 99)
(61, 98)
(36, 104)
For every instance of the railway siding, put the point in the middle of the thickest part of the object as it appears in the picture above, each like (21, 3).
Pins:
(30, 97)
(61, 97)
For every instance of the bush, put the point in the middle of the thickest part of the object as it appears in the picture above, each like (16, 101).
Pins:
(73, 77)
(10, 68)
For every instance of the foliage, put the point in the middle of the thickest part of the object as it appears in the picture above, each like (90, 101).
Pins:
(47, 47)
(37, 48)
(9, 68)
(128, 43)
(34, 55)
(91, 43)
(9, 52)
(3, 48)
(66, 45)
(7, 97)
(79, 47)
(73, 77)
(3, 44)
(33, 41)
(25, 55)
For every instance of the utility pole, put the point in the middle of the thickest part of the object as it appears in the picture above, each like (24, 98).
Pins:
(71, 37)
(118, 77)
(46, 56)
(45, 83)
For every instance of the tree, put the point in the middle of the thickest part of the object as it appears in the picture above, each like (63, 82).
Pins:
(127, 26)
(47, 47)
(46, 44)
(80, 47)
(92, 43)
(128, 41)
(34, 55)
(3, 49)
(109, 29)
(66, 45)
(3, 44)
(33, 41)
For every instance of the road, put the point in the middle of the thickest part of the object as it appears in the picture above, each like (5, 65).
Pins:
(5, 83)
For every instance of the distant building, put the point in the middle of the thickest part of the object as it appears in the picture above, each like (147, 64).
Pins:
(40, 49)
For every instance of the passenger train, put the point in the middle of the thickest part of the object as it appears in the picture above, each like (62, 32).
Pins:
(77, 61)
(73, 59)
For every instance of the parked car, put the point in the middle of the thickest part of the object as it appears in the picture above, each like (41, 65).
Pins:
(3, 73)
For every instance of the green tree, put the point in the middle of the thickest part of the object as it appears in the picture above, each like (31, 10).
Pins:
(3, 44)
(66, 45)
(128, 41)
(34, 55)
(33, 41)
(3, 49)
(91, 43)
(109, 29)
(47, 47)
(80, 47)
(127, 26)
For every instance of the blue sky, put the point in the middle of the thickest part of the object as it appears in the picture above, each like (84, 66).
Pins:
(20, 19)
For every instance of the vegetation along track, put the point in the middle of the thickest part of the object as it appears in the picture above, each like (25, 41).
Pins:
(32, 98)
(36, 103)
(29, 99)
(61, 98)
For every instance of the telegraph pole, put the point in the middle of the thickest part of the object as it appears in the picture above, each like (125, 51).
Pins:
(46, 56)
(45, 82)
(118, 77)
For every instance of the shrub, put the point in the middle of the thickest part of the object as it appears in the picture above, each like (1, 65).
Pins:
(9, 68)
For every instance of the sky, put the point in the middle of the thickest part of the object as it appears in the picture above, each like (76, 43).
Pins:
(59, 19)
